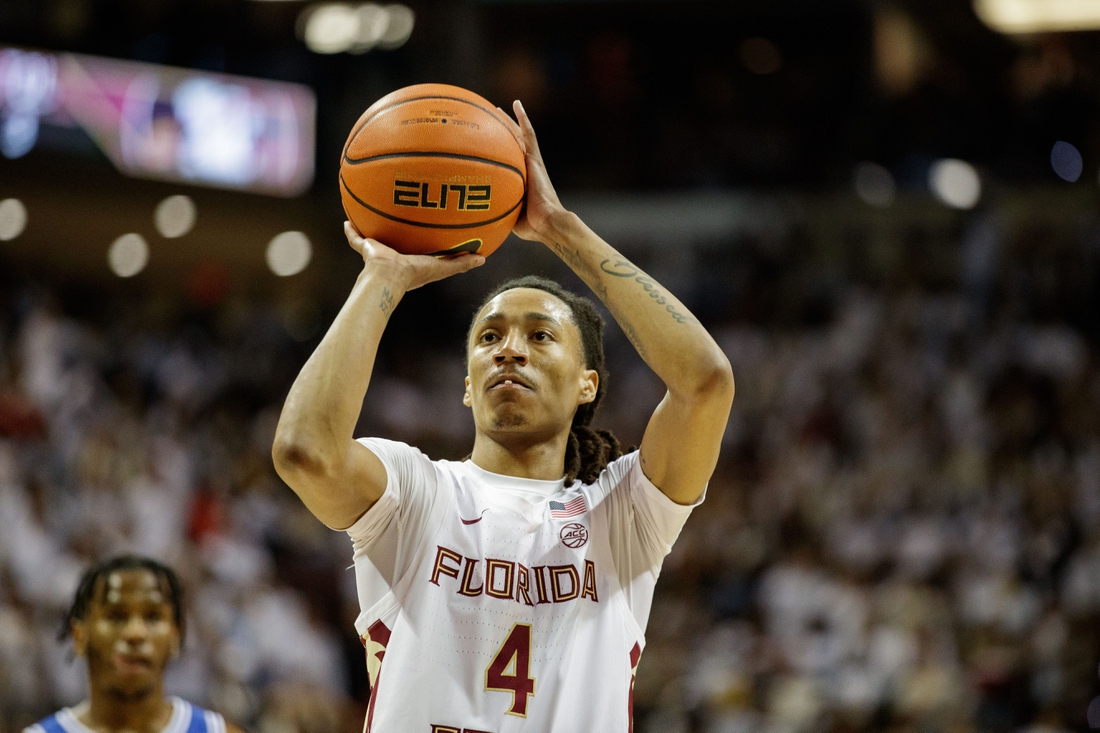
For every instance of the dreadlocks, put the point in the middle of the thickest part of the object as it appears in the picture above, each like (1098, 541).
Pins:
(95, 576)
(589, 450)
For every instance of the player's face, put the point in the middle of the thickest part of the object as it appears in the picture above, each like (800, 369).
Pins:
(128, 634)
(526, 372)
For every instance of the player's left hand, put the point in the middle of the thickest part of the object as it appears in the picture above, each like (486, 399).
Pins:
(408, 271)
(542, 200)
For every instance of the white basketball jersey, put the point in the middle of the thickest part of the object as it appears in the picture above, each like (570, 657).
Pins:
(493, 604)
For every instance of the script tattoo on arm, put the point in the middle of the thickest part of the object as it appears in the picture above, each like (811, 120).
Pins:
(622, 268)
(386, 305)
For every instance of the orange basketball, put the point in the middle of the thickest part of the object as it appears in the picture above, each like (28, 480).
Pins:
(433, 169)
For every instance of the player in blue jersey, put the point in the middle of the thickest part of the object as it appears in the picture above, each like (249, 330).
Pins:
(126, 621)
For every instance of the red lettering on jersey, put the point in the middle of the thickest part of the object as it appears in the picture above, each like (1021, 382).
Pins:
(496, 585)
(441, 568)
(375, 643)
(557, 572)
(589, 589)
(467, 588)
(523, 584)
(540, 583)
(635, 656)
(445, 729)
(509, 580)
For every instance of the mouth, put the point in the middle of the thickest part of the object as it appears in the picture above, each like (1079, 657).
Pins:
(133, 663)
(507, 382)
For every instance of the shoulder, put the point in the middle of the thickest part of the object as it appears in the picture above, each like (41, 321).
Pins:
(624, 483)
(64, 720)
(191, 718)
(48, 724)
(622, 470)
(401, 458)
(385, 449)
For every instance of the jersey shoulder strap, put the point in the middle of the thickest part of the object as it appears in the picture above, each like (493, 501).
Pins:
(196, 720)
(186, 718)
(46, 725)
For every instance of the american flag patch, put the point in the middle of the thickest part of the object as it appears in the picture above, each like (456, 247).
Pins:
(571, 508)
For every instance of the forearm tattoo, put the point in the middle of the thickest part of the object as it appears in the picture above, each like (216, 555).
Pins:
(622, 268)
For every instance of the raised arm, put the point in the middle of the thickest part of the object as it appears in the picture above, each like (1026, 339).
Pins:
(680, 448)
(314, 451)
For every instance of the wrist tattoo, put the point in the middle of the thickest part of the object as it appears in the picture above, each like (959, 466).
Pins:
(386, 305)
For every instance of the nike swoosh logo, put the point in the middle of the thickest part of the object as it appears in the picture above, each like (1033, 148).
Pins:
(474, 521)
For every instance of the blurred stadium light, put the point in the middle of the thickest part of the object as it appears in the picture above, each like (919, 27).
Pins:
(1066, 161)
(955, 183)
(330, 28)
(874, 184)
(164, 123)
(13, 219)
(128, 255)
(289, 253)
(1036, 16)
(175, 216)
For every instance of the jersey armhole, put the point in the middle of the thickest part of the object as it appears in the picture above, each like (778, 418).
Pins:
(601, 514)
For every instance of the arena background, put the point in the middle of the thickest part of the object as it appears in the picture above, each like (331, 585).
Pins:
(885, 212)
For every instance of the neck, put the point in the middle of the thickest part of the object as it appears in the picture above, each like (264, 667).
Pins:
(110, 710)
(512, 455)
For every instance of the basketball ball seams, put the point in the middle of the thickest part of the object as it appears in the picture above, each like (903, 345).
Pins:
(426, 225)
(486, 110)
(452, 156)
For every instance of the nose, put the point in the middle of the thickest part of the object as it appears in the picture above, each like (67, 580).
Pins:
(512, 349)
(135, 629)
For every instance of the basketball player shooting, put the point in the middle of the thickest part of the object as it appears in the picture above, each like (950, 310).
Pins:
(126, 621)
(510, 591)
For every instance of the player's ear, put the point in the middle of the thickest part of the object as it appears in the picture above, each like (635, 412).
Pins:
(79, 631)
(466, 397)
(174, 647)
(590, 382)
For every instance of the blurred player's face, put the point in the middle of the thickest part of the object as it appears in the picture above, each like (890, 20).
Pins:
(128, 635)
(526, 373)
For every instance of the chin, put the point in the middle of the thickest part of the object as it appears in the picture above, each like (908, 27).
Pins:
(509, 422)
(131, 692)
(507, 417)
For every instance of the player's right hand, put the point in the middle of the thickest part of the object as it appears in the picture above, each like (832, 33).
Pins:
(413, 270)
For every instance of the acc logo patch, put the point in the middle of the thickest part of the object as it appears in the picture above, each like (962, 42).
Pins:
(574, 535)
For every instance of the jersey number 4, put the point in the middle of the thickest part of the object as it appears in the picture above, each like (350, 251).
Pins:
(510, 670)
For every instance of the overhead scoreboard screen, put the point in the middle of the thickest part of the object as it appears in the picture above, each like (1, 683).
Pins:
(163, 122)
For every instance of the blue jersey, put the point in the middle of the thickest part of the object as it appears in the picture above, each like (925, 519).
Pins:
(186, 718)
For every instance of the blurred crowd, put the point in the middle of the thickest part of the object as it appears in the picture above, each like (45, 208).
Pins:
(157, 442)
(901, 534)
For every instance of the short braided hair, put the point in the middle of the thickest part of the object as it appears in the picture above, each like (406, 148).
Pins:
(95, 575)
(589, 450)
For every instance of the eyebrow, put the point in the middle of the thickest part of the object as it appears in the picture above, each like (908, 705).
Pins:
(530, 316)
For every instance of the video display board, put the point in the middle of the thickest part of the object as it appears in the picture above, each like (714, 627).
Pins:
(162, 122)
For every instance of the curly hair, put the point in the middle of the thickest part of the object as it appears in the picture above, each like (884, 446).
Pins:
(589, 450)
(91, 583)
